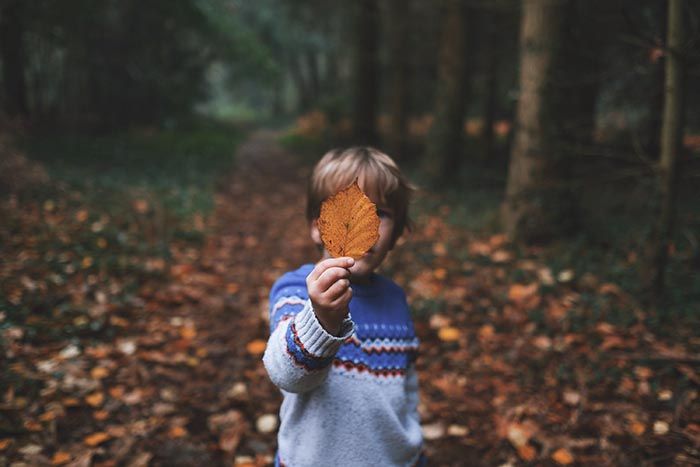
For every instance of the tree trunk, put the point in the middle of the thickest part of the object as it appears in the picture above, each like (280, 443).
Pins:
(446, 140)
(492, 35)
(538, 205)
(671, 144)
(400, 78)
(366, 72)
(13, 58)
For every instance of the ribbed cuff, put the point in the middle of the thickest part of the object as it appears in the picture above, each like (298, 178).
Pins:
(316, 340)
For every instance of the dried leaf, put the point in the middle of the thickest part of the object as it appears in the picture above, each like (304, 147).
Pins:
(95, 399)
(60, 458)
(527, 452)
(449, 334)
(177, 432)
(96, 439)
(266, 423)
(256, 347)
(562, 456)
(348, 223)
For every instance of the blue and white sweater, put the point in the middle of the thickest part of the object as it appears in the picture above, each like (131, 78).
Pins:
(349, 400)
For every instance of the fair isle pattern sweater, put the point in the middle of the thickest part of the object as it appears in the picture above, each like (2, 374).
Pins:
(349, 400)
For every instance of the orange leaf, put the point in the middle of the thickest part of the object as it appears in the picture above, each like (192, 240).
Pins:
(449, 334)
(100, 415)
(95, 399)
(256, 347)
(60, 458)
(637, 428)
(96, 439)
(348, 223)
(562, 456)
(177, 432)
(99, 372)
(4, 443)
(527, 452)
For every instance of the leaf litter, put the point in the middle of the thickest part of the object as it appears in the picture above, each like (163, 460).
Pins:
(159, 363)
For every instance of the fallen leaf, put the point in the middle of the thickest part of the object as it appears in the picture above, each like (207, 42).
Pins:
(527, 452)
(266, 423)
(100, 415)
(524, 295)
(256, 347)
(433, 431)
(95, 399)
(457, 430)
(348, 223)
(449, 334)
(60, 458)
(230, 438)
(661, 427)
(4, 443)
(99, 372)
(562, 456)
(637, 428)
(96, 439)
(177, 432)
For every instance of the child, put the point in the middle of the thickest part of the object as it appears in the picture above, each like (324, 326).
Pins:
(342, 348)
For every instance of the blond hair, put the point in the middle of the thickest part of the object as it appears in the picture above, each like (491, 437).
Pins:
(373, 170)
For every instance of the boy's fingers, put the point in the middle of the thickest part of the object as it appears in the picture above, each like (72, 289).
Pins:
(336, 290)
(331, 276)
(344, 299)
(344, 262)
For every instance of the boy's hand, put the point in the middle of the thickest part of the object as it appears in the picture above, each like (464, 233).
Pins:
(330, 292)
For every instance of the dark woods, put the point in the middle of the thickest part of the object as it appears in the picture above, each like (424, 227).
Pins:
(552, 101)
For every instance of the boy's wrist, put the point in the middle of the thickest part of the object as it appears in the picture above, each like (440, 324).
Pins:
(331, 326)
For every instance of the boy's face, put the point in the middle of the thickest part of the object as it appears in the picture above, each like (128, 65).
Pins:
(363, 268)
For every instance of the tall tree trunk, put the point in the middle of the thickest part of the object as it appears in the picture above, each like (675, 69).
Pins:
(538, 205)
(366, 72)
(400, 78)
(446, 140)
(671, 144)
(13, 58)
(492, 35)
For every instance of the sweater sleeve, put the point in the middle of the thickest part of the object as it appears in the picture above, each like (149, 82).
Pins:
(299, 351)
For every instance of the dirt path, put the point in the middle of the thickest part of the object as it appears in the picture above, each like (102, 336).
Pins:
(258, 231)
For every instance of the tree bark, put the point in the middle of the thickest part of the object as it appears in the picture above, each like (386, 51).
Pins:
(366, 72)
(446, 140)
(492, 35)
(12, 54)
(538, 205)
(671, 144)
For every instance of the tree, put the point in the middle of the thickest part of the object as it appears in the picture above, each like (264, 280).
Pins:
(671, 144)
(538, 203)
(366, 72)
(445, 144)
(12, 54)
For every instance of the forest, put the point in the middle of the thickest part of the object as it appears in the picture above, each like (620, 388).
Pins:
(154, 160)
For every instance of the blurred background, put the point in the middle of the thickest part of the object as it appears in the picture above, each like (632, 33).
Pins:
(153, 158)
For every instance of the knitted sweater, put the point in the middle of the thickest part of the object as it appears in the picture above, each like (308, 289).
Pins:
(349, 400)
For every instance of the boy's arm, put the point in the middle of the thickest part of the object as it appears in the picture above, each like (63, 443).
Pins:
(302, 346)
(300, 351)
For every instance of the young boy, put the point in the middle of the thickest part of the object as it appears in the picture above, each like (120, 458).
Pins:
(342, 345)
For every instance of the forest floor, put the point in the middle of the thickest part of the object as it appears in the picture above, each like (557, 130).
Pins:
(519, 364)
